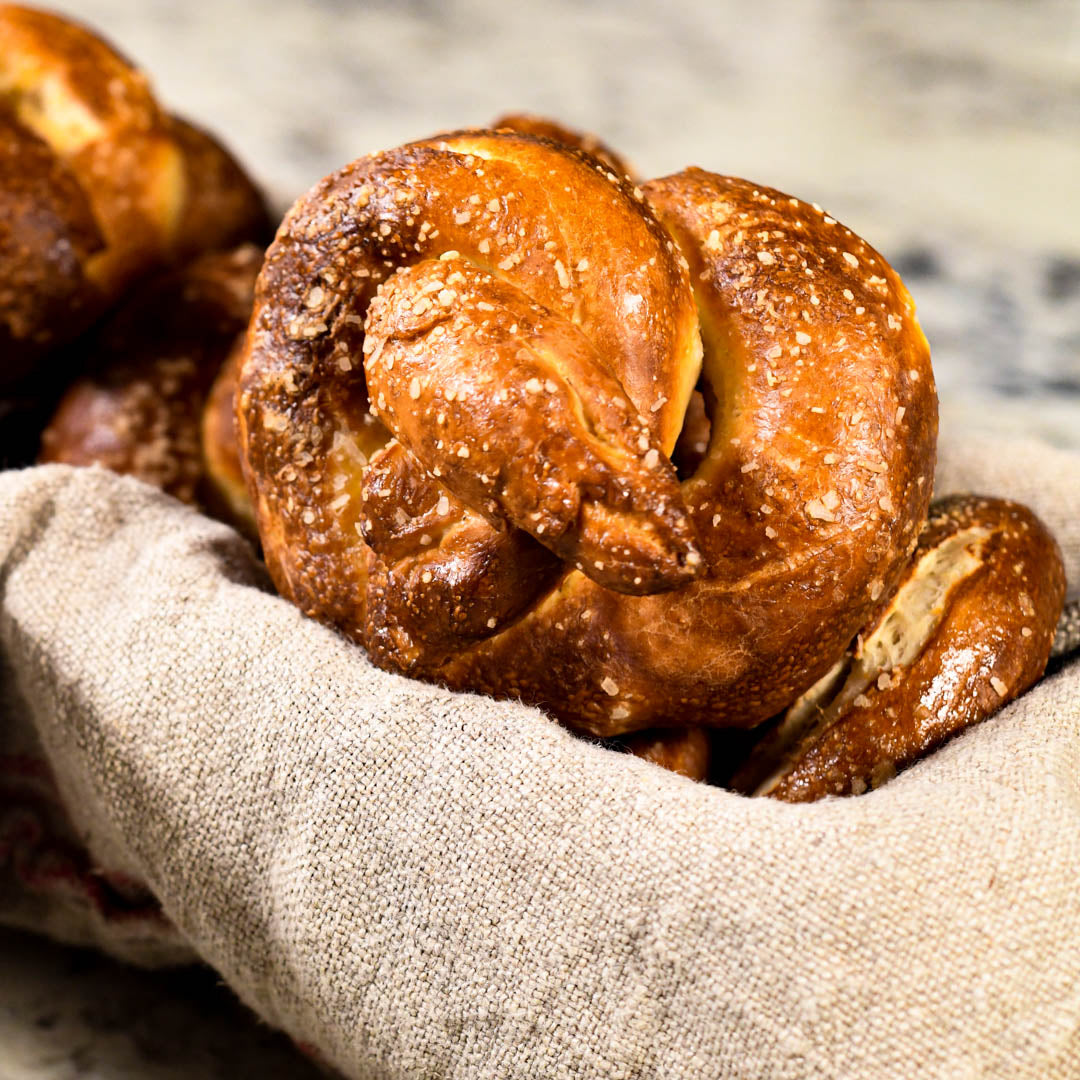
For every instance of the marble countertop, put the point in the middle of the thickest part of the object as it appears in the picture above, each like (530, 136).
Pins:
(947, 134)
(67, 1013)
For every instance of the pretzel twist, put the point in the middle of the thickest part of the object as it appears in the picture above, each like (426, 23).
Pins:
(468, 370)
(100, 184)
(969, 629)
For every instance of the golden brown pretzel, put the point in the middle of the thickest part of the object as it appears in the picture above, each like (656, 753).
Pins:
(968, 630)
(538, 310)
(139, 409)
(685, 751)
(529, 124)
(224, 492)
(100, 184)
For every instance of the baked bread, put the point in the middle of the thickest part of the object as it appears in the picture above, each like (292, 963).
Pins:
(968, 630)
(151, 364)
(470, 470)
(224, 492)
(686, 751)
(101, 185)
(543, 127)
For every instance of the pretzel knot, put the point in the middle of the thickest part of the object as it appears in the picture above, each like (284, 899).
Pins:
(644, 457)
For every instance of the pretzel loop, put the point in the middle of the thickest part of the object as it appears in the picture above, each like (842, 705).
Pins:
(473, 470)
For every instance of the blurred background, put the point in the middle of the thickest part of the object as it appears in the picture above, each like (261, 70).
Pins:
(946, 132)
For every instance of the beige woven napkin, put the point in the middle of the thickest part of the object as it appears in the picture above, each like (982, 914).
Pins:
(426, 884)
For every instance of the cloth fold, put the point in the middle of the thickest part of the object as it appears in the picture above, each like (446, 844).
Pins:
(427, 884)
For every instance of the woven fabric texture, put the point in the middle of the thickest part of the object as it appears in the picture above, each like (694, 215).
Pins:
(423, 884)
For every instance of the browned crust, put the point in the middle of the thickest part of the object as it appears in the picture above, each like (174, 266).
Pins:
(488, 197)
(685, 751)
(805, 517)
(439, 573)
(821, 449)
(153, 361)
(42, 209)
(474, 378)
(223, 490)
(124, 189)
(530, 124)
(991, 644)
(222, 208)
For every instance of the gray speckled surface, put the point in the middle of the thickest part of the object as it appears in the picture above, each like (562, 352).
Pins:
(947, 133)
(67, 1013)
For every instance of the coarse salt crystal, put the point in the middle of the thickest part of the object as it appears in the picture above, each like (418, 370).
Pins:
(816, 509)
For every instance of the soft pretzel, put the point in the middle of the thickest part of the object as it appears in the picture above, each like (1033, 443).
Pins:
(139, 409)
(223, 491)
(538, 310)
(529, 124)
(968, 630)
(100, 184)
(686, 751)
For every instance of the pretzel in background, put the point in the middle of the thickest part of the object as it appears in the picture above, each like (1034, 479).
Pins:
(101, 185)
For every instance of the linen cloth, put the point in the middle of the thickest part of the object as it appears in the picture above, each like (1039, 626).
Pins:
(423, 884)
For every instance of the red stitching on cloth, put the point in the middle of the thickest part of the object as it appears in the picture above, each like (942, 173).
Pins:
(37, 842)
(28, 767)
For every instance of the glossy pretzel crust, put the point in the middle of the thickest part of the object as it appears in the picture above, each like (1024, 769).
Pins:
(802, 511)
(100, 185)
(988, 641)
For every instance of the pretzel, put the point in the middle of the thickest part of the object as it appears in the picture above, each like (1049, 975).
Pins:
(685, 751)
(968, 630)
(139, 409)
(530, 358)
(101, 185)
(529, 124)
(223, 491)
